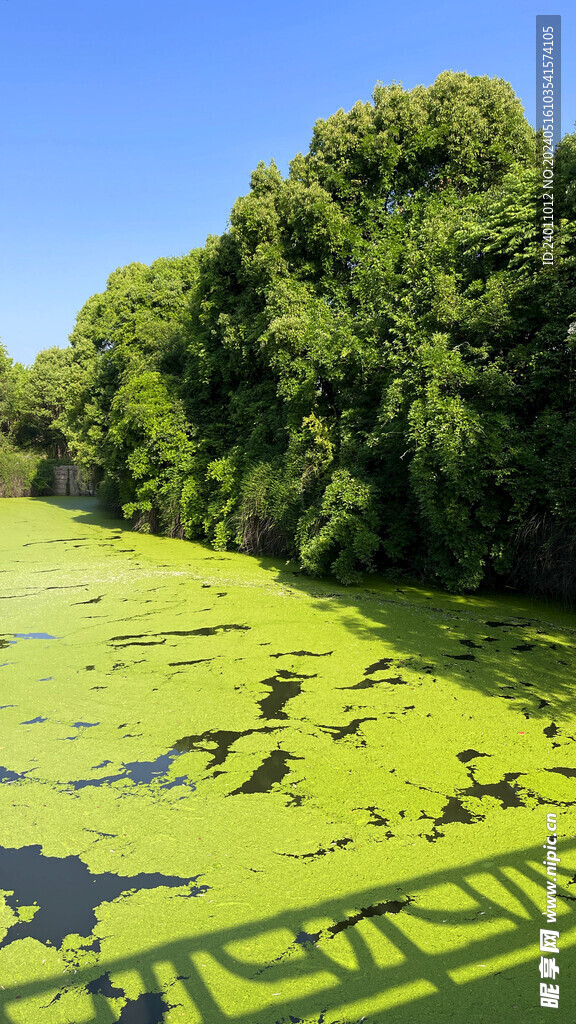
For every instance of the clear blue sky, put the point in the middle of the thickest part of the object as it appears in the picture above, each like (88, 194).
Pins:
(129, 127)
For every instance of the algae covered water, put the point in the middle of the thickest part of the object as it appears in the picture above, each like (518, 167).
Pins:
(231, 793)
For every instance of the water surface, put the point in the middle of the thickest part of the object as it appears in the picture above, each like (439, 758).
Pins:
(234, 795)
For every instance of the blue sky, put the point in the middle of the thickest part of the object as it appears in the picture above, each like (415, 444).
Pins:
(130, 127)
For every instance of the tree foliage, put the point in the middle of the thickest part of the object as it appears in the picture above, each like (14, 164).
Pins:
(371, 369)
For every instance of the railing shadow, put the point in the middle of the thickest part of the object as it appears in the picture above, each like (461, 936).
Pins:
(388, 947)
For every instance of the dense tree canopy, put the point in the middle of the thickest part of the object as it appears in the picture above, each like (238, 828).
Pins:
(371, 368)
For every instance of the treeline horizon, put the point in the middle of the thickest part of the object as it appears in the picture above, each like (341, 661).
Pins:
(370, 370)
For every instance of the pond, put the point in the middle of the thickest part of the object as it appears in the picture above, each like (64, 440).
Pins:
(231, 793)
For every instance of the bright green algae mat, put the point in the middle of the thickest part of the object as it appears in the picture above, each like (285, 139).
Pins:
(234, 794)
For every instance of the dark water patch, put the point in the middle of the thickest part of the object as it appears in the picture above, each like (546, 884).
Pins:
(89, 668)
(106, 780)
(517, 625)
(364, 684)
(93, 600)
(306, 938)
(272, 770)
(145, 772)
(524, 647)
(4, 706)
(70, 586)
(35, 636)
(469, 754)
(221, 742)
(378, 666)
(284, 686)
(202, 631)
(460, 657)
(196, 661)
(67, 892)
(104, 987)
(503, 791)
(339, 731)
(300, 654)
(470, 643)
(543, 704)
(98, 687)
(213, 630)
(63, 540)
(430, 837)
(376, 818)
(34, 721)
(550, 730)
(84, 725)
(569, 773)
(454, 811)
(489, 639)
(146, 1009)
(367, 683)
(143, 643)
(295, 800)
(142, 773)
(376, 910)
(336, 844)
(7, 775)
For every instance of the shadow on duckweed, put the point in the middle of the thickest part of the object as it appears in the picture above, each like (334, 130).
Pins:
(418, 626)
(389, 972)
(389, 617)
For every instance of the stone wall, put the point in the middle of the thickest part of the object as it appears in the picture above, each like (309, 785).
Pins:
(68, 480)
